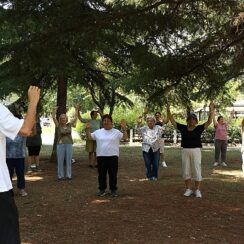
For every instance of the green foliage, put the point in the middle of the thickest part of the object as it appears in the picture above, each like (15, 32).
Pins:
(181, 51)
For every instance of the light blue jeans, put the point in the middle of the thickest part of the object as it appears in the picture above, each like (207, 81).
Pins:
(64, 152)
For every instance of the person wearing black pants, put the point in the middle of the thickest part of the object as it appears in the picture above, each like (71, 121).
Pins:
(9, 219)
(107, 165)
(10, 126)
(108, 140)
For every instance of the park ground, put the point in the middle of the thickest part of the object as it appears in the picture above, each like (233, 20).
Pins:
(144, 212)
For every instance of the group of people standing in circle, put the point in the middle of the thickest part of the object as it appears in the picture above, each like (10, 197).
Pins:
(102, 145)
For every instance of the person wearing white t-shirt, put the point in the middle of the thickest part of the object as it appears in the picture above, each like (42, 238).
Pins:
(10, 126)
(108, 140)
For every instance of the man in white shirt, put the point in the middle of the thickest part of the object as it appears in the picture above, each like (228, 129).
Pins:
(10, 126)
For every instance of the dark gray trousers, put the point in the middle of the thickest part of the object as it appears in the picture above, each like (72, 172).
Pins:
(220, 150)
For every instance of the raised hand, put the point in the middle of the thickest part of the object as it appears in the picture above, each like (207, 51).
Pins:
(34, 94)
(88, 126)
(211, 106)
(123, 124)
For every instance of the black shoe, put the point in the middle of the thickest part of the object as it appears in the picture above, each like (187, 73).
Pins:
(69, 178)
(114, 193)
(101, 193)
(90, 166)
(61, 179)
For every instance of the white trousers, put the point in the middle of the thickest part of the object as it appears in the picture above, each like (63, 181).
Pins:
(191, 164)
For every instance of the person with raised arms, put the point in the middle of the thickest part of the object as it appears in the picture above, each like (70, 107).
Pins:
(10, 126)
(191, 152)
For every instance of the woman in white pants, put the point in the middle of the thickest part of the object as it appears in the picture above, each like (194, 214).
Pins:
(191, 144)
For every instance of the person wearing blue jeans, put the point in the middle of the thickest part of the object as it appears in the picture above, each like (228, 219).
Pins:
(15, 154)
(64, 152)
(151, 163)
(151, 135)
(64, 143)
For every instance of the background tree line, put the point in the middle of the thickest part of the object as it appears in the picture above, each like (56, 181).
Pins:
(182, 50)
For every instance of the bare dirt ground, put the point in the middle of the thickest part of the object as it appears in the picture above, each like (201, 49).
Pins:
(145, 212)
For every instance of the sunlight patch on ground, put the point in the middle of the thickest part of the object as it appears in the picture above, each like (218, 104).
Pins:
(236, 173)
(133, 180)
(144, 179)
(100, 201)
(33, 178)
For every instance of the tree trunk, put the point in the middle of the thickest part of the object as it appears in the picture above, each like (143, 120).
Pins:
(61, 104)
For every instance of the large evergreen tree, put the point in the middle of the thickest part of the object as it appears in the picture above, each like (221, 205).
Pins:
(190, 47)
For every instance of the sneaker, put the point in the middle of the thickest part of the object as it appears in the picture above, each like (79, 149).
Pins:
(153, 178)
(61, 179)
(188, 193)
(215, 164)
(114, 193)
(33, 167)
(101, 193)
(224, 164)
(198, 194)
(38, 169)
(164, 164)
(23, 193)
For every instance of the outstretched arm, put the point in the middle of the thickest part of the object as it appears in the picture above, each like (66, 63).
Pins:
(30, 119)
(214, 119)
(54, 116)
(210, 116)
(78, 113)
(88, 131)
(124, 129)
(74, 119)
(170, 117)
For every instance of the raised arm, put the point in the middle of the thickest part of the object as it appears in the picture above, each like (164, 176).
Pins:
(88, 131)
(124, 129)
(54, 112)
(170, 117)
(242, 126)
(30, 118)
(214, 119)
(210, 116)
(78, 113)
(74, 119)
(166, 121)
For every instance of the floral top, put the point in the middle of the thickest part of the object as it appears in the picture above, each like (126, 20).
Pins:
(65, 134)
(150, 137)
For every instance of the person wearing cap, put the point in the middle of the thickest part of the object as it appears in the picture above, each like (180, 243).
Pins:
(91, 144)
(161, 122)
(151, 136)
(191, 152)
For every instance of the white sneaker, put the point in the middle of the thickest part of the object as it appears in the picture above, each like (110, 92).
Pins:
(164, 164)
(188, 193)
(224, 164)
(198, 194)
(23, 193)
(215, 164)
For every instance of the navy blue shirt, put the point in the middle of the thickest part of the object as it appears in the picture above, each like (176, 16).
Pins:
(190, 139)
